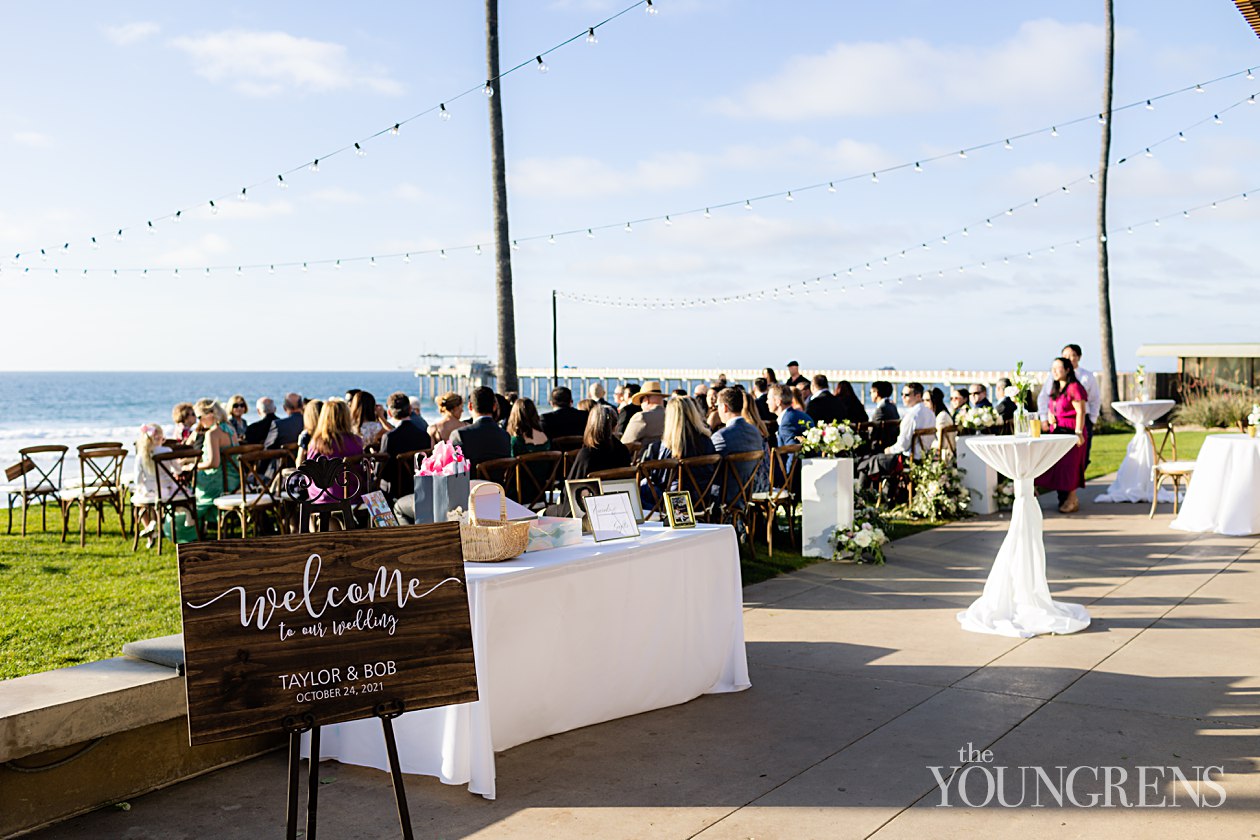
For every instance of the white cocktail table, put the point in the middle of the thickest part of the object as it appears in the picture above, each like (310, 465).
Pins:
(1133, 481)
(1224, 492)
(1016, 600)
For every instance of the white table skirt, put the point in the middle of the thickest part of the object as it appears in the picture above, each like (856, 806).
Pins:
(1133, 481)
(1016, 600)
(1224, 492)
(570, 637)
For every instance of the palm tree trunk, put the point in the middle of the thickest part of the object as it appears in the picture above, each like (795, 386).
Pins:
(1107, 371)
(505, 311)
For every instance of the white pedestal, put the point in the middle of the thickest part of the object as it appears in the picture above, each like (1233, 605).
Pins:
(978, 477)
(826, 502)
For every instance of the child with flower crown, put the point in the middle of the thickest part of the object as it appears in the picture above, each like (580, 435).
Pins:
(144, 489)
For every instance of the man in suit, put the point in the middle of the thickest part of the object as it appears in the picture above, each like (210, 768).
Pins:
(824, 406)
(263, 430)
(597, 392)
(483, 440)
(978, 395)
(415, 419)
(628, 407)
(648, 424)
(563, 420)
(289, 427)
(1006, 406)
(883, 412)
(794, 379)
(761, 387)
(396, 475)
(736, 435)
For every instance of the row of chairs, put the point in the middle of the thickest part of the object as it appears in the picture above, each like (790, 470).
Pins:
(37, 480)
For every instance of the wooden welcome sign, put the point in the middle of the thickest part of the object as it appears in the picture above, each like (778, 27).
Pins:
(329, 625)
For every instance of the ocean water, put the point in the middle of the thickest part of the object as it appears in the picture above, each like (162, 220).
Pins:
(74, 408)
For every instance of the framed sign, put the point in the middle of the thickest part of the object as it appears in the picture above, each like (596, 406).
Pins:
(631, 488)
(611, 516)
(678, 509)
(327, 624)
(579, 490)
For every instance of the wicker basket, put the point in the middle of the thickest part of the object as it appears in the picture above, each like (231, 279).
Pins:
(491, 542)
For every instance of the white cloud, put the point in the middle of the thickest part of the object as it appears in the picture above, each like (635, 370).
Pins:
(337, 196)
(1043, 61)
(270, 63)
(127, 34)
(34, 139)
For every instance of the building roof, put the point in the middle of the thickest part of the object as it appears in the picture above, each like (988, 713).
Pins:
(1251, 11)
(1211, 351)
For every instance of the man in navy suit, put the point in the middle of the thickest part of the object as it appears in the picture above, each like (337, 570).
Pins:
(564, 420)
(824, 406)
(396, 474)
(736, 435)
(289, 428)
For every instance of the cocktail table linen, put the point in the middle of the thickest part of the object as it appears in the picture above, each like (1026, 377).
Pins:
(1133, 482)
(570, 637)
(1224, 492)
(1016, 600)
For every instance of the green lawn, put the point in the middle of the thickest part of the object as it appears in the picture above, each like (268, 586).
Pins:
(1108, 450)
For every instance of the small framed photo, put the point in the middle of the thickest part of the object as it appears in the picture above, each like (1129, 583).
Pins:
(678, 509)
(611, 517)
(381, 516)
(578, 491)
(631, 488)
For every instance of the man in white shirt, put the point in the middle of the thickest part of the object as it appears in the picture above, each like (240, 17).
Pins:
(918, 415)
(1093, 397)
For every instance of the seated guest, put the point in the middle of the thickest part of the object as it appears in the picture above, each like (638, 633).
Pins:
(483, 439)
(711, 417)
(366, 419)
(563, 420)
(628, 408)
(218, 474)
(586, 405)
(679, 392)
(771, 378)
(792, 421)
(944, 419)
(289, 427)
(262, 431)
(761, 387)
(451, 407)
(333, 438)
(601, 450)
(762, 482)
(144, 487)
(979, 396)
(701, 396)
(884, 412)
(649, 424)
(851, 409)
(1006, 406)
(185, 418)
(396, 475)
(310, 421)
(736, 435)
(237, 407)
(597, 392)
(525, 428)
(824, 407)
(415, 418)
(920, 414)
(957, 403)
(685, 436)
(502, 408)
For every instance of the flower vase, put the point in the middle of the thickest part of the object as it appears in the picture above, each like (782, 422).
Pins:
(1023, 422)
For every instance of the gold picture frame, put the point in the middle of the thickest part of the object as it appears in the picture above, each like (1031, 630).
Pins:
(678, 509)
(577, 489)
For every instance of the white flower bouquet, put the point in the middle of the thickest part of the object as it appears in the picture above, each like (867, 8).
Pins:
(829, 440)
(978, 418)
(864, 543)
(1253, 419)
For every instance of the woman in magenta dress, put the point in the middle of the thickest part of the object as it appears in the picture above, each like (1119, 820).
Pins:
(1067, 417)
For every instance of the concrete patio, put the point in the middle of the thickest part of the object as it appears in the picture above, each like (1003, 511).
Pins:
(862, 679)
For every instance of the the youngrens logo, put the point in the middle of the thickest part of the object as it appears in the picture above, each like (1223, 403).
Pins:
(976, 782)
(384, 585)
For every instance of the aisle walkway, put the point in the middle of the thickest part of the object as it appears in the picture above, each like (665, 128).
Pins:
(861, 681)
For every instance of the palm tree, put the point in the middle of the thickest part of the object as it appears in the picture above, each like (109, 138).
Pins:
(1107, 373)
(505, 311)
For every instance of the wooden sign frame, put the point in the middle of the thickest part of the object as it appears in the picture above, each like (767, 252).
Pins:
(323, 627)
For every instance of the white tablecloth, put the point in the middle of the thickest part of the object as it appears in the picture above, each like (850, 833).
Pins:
(1133, 482)
(1016, 600)
(1224, 492)
(570, 637)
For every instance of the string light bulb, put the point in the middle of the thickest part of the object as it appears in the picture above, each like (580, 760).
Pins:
(831, 186)
(315, 165)
(394, 131)
(651, 9)
(337, 265)
(1054, 131)
(243, 195)
(542, 65)
(214, 210)
(962, 153)
(442, 253)
(96, 246)
(1181, 136)
(239, 272)
(668, 221)
(874, 178)
(1216, 118)
(747, 204)
(1251, 100)
(628, 229)
(1006, 144)
(590, 36)
(178, 215)
(551, 240)
(1198, 88)
(917, 167)
(304, 267)
(1102, 120)
(1149, 106)
(150, 227)
(707, 214)
(406, 258)
(118, 236)
(280, 182)
(443, 113)
(487, 88)
(271, 269)
(789, 196)
(1250, 74)
(359, 151)
(372, 262)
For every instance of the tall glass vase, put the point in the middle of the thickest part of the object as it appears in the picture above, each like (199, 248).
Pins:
(1023, 422)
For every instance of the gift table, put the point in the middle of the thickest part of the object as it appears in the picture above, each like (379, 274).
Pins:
(574, 636)
(1224, 494)
(1016, 600)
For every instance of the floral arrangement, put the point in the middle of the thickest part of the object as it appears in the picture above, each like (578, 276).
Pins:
(445, 460)
(1139, 379)
(863, 542)
(829, 440)
(1253, 419)
(977, 418)
(938, 490)
(1020, 389)
(1004, 494)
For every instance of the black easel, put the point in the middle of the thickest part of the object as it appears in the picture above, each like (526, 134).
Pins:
(295, 726)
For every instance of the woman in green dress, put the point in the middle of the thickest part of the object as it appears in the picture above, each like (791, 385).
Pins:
(525, 427)
(217, 475)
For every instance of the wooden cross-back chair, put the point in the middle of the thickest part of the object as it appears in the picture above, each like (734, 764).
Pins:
(176, 484)
(784, 492)
(254, 495)
(100, 484)
(502, 471)
(655, 474)
(1166, 468)
(636, 451)
(566, 443)
(35, 478)
(323, 487)
(698, 475)
(736, 500)
(920, 445)
(537, 475)
(616, 474)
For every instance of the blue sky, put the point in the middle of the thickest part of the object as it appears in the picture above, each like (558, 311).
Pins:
(116, 114)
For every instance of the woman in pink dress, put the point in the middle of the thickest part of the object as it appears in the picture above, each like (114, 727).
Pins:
(1067, 417)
